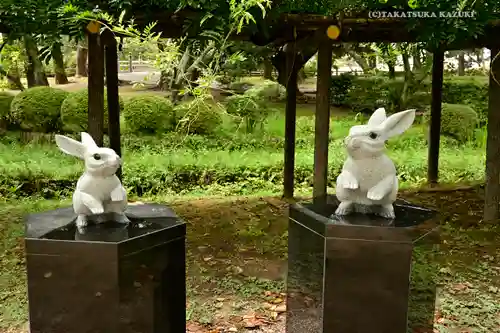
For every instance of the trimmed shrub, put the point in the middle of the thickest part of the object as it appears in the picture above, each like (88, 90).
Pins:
(249, 108)
(367, 94)
(38, 109)
(75, 108)
(149, 114)
(269, 90)
(197, 117)
(472, 91)
(5, 102)
(458, 121)
(339, 88)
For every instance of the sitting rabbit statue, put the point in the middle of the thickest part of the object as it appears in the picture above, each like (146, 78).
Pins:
(98, 190)
(368, 181)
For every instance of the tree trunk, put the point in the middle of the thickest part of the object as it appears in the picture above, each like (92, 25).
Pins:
(13, 77)
(373, 62)
(461, 63)
(268, 69)
(30, 72)
(392, 70)
(81, 61)
(360, 60)
(58, 60)
(301, 58)
(417, 61)
(35, 63)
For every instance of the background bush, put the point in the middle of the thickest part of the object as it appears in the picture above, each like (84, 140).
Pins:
(339, 88)
(198, 116)
(5, 102)
(149, 114)
(38, 109)
(458, 121)
(248, 107)
(366, 94)
(75, 108)
(268, 90)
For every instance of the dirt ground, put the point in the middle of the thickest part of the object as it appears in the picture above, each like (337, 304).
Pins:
(237, 263)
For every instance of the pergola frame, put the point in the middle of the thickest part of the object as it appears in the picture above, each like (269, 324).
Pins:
(351, 30)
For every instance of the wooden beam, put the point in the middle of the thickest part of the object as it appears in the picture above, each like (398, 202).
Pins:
(111, 56)
(492, 191)
(435, 124)
(290, 120)
(96, 88)
(322, 121)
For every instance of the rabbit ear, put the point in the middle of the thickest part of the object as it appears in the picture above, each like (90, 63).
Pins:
(70, 146)
(87, 140)
(377, 118)
(398, 122)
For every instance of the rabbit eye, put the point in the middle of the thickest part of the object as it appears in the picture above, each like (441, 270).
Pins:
(97, 156)
(373, 136)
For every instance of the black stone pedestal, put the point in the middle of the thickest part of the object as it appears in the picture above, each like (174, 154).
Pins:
(111, 278)
(354, 274)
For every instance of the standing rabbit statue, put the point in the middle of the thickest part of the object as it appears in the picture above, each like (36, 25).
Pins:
(368, 181)
(98, 190)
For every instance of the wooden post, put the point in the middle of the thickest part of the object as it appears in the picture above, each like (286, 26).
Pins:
(492, 191)
(322, 121)
(435, 124)
(130, 64)
(111, 55)
(290, 119)
(96, 87)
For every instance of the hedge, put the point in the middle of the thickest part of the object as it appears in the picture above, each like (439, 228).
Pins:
(5, 102)
(38, 109)
(74, 111)
(366, 94)
(198, 117)
(149, 114)
(149, 176)
(458, 121)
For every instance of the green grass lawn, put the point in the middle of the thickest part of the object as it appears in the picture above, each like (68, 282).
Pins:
(230, 161)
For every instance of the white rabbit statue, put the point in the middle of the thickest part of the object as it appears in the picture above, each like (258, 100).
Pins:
(368, 181)
(98, 190)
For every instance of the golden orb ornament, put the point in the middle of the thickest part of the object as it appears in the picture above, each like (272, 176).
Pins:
(333, 32)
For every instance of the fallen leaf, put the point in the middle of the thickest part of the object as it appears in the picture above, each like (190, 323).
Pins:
(220, 299)
(267, 306)
(493, 289)
(281, 308)
(233, 329)
(251, 321)
(277, 300)
(274, 315)
(195, 328)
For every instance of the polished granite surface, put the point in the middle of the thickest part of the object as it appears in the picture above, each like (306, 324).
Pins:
(356, 276)
(111, 278)
(411, 222)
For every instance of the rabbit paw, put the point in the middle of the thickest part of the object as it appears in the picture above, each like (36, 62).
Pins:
(387, 211)
(97, 210)
(375, 194)
(122, 218)
(117, 194)
(344, 208)
(81, 221)
(348, 181)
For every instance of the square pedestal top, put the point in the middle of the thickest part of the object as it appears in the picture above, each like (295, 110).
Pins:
(411, 223)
